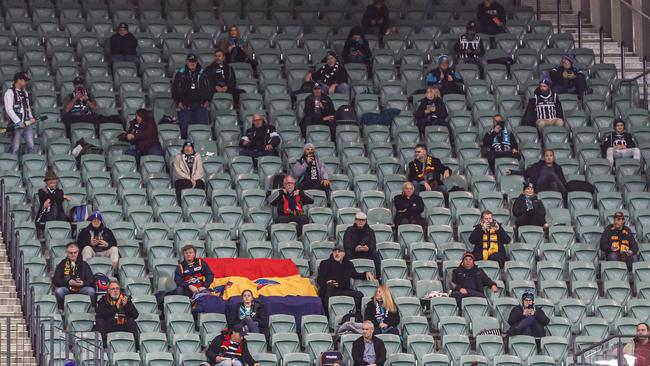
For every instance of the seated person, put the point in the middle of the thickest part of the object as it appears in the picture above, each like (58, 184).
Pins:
(356, 49)
(546, 174)
(80, 107)
(445, 77)
(431, 111)
(375, 18)
(567, 78)
(368, 350)
(332, 76)
(310, 171)
(259, 140)
(469, 46)
(618, 243)
(116, 313)
(290, 203)
(383, 312)
(500, 142)
(98, 240)
(143, 135)
(468, 280)
(73, 276)
(124, 45)
(639, 347)
(409, 207)
(192, 275)
(332, 358)
(619, 143)
(188, 170)
(489, 239)
(230, 349)
(527, 319)
(544, 108)
(426, 172)
(222, 78)
(50, 200)
(528, 209)
(249, 314)
(234, 46)
(319, 110)
(359, 242)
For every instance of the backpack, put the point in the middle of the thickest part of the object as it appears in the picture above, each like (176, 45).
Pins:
(101, 283)
(80, 213)
(346, 114)
(82, 148)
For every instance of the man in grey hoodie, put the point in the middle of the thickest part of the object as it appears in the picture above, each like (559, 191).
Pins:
(310, 171)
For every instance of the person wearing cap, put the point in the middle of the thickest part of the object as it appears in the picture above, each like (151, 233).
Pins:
(426, 172)
(124, 45)
(619, 143)
(544, 108)
(142, 135)
(318, 110)
(222, 78)
(310, 171)
(360, 243)
(192, 274)
(80, 107)
(375, 18)
(116, 313)
(356, 49)
(618, 243)
(248, 313)
(431, 111)
(527, 319)
(290, 204)
(445, 77)
(261, 139)
(234, 47)
(188, 170)
(191, 93)
(332, 76)
(528, 209)
(19, 109)
(230, 349)
(332, 358)
(96, 240)
(73, 276)
(468, 280)
(368, 350)
(50, 200)
(469, 47)
(491, 17)
(409, 207)
(566, 77)
(500, 142)
(489, 239)
(334, 276)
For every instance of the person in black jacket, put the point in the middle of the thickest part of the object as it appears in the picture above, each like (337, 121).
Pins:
(567, 78)
(319, 110)
(528, 209)
(431, 111)
(80, 106)
(527, 319)
(618, 243)
(290, 204)
(360, 242)
(619, 143)
(445, 77)
(73, 276)
(96, 240)
(356, 49)
(425, 171)
(544, 108)
(259, 140)
(191, 93)
(124, 45)
(192, 275)
(230, 349)
(500, 142)
(375, 18)
(334, 275)
(50, 200)
(491, 17)
(469, 47)
(546, 174)
(116, 313)
(332, 76)
(382, 312)
(489, 239)
(222, 78)
(409, 207)
(249, 314)
(468, 280)
(142, 135)
(361, 357)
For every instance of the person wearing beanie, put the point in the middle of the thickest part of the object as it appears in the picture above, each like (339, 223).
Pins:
(528, 209)
(191, 93)
(491, 17)
(618, 243)
(500, 142)
(527, 319)
(332, 76)
(431, 111)
(230, 349)
(356, 49)
(50, 201)
(259, 140)
(290, 204)
(469, 47)
(124, 45)
(360, 242)
(20, 112)
(318, 110)
(96, 240)
(188, 170)
(544, 108)
(567, 79)
(619, 143)
(489, 240)
(310, 171)
(468, 280)
(445, 77)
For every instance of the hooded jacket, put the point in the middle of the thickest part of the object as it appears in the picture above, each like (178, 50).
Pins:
(343, 272)
(257, 314)
(480, 277)
(517, 315)
(439, 77)
(218, 347)
(542, 107)
(354, 236)
(190, 87)
(300, 167)
(126, 45)
(486, 18)
(260, 137)
(86, 234)
(612, 236)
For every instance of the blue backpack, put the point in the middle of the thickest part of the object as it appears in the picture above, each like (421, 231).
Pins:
(79, 213)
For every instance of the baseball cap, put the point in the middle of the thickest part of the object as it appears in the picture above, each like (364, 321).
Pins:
(192, 57)
(361, 216)
(78, 80)
(338, 247)
(123, 25)
(21, 75)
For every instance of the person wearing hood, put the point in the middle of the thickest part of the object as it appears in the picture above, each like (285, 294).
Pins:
(290, 204)
(50, 200)
(409, 207)
(489, 240)
(567, 79)
(359, 242)
(142, 134)
(230, 349)
(619, 143)
(259, 140)
(356, 49)
(222, 78)
(528, 209)
(249, 314)
(468, 280)
(334, 276)
(310, 171)
(96, 240)
(318, 110)
(192, 274)
(234, 46)
(191, 93)
(188, 170)
(546, 174)
(469, 47)
(491, 17)
(618, 243)
(431, 111)
(332, 76)
(73, 276)
(426, 172)
(124, 45)
(383, 312)
(445, 77)
(544, 108)
(500, 142)
(639, 347)
(527, 319)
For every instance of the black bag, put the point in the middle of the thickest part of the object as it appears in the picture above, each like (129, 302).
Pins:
(346, 114)
(278, 181)
(579, 186)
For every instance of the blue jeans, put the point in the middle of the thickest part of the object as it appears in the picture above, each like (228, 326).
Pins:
(26, 134)
(343, 88)
(530, 327)
(250, 325)
(616, 256)
(419, 187)
(61, 293)
(192, 114)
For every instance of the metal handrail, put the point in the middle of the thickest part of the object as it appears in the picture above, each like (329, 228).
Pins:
(559, 26)
(634, 9)
(601, 43)
(538, 10)
(622, 59)
(600, 343)
(580, 29)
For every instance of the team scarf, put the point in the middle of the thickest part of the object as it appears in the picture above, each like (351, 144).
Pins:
(327, 76)
(230, 349)
(427, 167)
(71, 273)
(244, 311)
(490, 243)
(189, 160)
(622, 245)
(501, 141)
(238, 42)
(380, 312)
(289, 206)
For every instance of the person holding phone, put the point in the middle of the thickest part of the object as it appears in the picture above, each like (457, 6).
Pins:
(527, 319)
(73, 276)
(96, 240)
(489, 239)
(500, 142)
(310, 171)
(431, 111)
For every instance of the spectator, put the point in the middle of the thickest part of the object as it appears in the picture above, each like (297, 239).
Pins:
(80, 107)
(230, 349)
(639, 347)
(360, 242)
(259, 140)
(445, 77)
(544, 108)
(248, 314)
(96, 240)
(222, 78)
(334, 275)
(73, 276)
(368, 350)
(375, 18)
(528, 209)
(356, 49)
(191, 93)
(431, 111)
(491, 17)
(143, 135)
(567, 78)
(234, 46)
(425, 171)
(527, 319)
(499, 142)
(124, 45)
(546, 174)
(310, 171)
(618, 242)
(489, 239)
(290, 204)
(619, 143)
(116, 313)
(319, 110)
(192, 275)
(188, 170)
(469, 47)
(19, 109)
(468, 280)
(50, 200)
(382, 312)
(409, 207)
(332, 76)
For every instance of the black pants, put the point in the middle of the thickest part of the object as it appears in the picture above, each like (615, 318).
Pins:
(470, 293)
(551, 183)
(451, 87)
(424, 122)
(527, 326)
(300, 220)
(403, 220)
(69, 118)
(493, 155)
(374, 256)
(532, 217)
(328, 292)
(182, 184)
(105, 326)
(578, 86)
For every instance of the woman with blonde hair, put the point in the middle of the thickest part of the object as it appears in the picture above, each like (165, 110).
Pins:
(382, 312)
(431, 110)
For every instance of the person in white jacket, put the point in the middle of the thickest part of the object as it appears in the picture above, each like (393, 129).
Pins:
(188, 169)
(20, 113)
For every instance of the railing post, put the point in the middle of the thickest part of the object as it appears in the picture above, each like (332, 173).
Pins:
(559, 26)
(601, 43)
(645, 85)
(622, 59)
(8, 338)
(579, 29)
(539, 10)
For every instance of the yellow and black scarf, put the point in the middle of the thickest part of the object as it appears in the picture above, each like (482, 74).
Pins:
(490, 243)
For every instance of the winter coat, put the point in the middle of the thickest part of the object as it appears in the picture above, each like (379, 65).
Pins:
(146, 137)
(481, 278)
(358, 347)
(182, 91)
(392, 319)
(257, 314)
(85, 235)
(440, 112)
(84, 273)
(485, 16)
(220, 76)
(613, 139)
(260, 137)
(607, 239)
(279, 201)
(126, 45)
(354, 236)
(519, 206)
(215, 349)
(106, 311)
(343, 272)
(182, 171)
